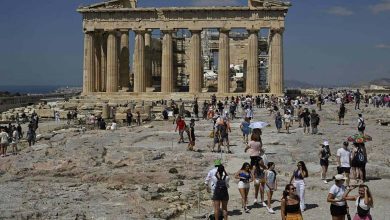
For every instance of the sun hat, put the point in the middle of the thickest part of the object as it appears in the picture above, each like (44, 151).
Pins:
(340, 177)
(326, 143)
(217, 162)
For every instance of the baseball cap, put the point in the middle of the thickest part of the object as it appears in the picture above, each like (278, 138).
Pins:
(326, 143)
(217, 162)
(340, 177)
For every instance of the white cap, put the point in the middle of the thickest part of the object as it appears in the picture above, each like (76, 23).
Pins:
(340, 177)
(326, 143)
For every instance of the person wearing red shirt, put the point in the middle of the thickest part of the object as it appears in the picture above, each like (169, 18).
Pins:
(181, 125)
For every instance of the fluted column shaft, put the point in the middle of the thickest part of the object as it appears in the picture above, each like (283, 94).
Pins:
(148, 59)
(89, 63)
(139, 62)
(196, 65)
(103, 68)
(167, 63)
(112, 62)
(223, 62)
(98, 63)
(124, 60)
(252, 79)
(277, 77)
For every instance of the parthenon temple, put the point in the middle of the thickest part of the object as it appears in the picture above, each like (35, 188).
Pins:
(165, 52)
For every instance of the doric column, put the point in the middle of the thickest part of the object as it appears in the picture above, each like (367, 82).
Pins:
(148, 59)
(112, 62)
(89, 63)
(277, 77)
(223, 62)
(196, 64)
(252, 78)
(167, 63)
(103, 69)
(124, 57)
(139, 62)
(98, 63)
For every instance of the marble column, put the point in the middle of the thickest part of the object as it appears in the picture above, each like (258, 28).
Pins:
(139, 62)
(277, 77)
(167, 80)
(89, 63)
(124, 60)
(148, 59)
(196, 64)
(252, 78)
(112, 62)
(223, 62)
(103, 69)
(98, 64)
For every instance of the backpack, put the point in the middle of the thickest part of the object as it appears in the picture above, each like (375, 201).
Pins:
(361, 125)
(359, 157)
(220, 186)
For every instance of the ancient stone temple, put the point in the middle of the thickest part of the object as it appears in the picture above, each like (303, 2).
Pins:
(154, 70)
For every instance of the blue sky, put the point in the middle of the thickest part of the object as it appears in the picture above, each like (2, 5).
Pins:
(325, 42)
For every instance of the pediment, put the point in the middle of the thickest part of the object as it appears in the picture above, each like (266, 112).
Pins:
(113, 4)
(267, 3)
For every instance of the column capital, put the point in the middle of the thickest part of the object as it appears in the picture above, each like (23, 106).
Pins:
(279, 30)
(253, 30)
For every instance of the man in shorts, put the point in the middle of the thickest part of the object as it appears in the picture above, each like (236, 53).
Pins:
(344, 161)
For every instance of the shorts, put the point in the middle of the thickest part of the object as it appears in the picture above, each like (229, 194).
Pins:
(243, 185)
(341, 170)
(324, 162)
(338, 210)
(255, 160)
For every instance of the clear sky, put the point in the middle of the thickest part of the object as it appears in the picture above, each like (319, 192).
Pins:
(325, 41)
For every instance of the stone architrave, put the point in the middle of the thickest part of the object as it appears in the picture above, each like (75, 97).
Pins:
(167, 80)
(139, 62)
(112, 62)
(148, 59)
(124, 60)
(103, 69)
(98, 61)
(223, 62)
(252, 78)
(89, 63)
(277, 61)
(196, 64)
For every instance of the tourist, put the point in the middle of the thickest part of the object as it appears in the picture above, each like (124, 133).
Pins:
(249, 113)
(245, 177)
(165, 114)
(102, 124)
(15, 141)
(212, 173)
(68, 118)
(57, 117)
(338, 207)
(180, 126)
(271, 184)
(287, 120)
(324, 155)
(232, 109)
(361, 124)
(314, 121)
(221, 194)
(358, 161)
(344, 161)
(19, 129)
(259, 182)
(306, 121)
(253, 147)
(319, 102)
(3, 142)
(300, 111)
(363, 201)
(297, 178)
(129, 117)
(278, 121)
(222, 133)
(245, 129)
(357, 97)
(205, 109)
(191, 135)
(31, 135)
(289, 207)
(342, 111)
(114, 125)
(139, 120)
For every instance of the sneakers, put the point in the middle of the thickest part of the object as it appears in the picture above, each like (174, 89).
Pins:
(246, 209)
(326, 182)
(255, 202)
(265, 204)
(270, 210)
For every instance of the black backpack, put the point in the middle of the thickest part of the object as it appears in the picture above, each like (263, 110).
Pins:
(362, 125)
(359, 157)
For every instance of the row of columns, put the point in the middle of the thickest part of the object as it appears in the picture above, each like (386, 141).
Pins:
(106, 62)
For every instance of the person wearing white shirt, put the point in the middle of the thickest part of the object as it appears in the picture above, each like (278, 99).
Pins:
(338, 207)
(287, 120)
(344, 161)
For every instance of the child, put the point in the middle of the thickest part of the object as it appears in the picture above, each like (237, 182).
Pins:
(270, 184)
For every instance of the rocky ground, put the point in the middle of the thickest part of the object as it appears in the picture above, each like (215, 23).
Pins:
(143, 173)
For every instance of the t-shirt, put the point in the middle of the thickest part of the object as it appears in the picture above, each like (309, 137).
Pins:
(338, 193)
(270, 178)
(245, 127)
(4, 137)
(287, 118)
(181, 124)
(254, 149)
(345, 156)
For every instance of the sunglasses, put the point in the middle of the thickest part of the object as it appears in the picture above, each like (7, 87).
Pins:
(293, 188)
